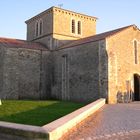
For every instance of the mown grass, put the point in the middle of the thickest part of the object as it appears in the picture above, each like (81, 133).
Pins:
(35, 112)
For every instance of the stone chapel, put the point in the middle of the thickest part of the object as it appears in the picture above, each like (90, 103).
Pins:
(63, 58)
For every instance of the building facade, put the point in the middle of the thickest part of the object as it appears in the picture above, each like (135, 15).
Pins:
(63, 58)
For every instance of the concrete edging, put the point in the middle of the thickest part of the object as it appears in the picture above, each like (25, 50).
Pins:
(22, 132)
(53, 130)
(58, 128)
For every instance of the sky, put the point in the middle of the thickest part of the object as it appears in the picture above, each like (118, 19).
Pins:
(111, 14)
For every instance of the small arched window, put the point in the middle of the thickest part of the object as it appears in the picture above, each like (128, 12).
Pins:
(40, 27)
(136, 51)
(79, 27)
(36, 29)
(73, 26)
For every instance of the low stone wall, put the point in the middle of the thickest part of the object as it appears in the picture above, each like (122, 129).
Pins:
(51, 131)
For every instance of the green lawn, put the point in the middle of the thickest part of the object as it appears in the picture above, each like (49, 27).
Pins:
(35, 112)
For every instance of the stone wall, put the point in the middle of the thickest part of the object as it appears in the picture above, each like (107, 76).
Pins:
(45, 78)
(76, 73)
(46, 41)
(62, 24)
(121, 62)
(47, 19)
(10, 75)
(103, 70)
(2, 51)
(24, 74)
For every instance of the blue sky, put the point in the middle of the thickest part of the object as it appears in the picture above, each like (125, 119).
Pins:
(111, 13)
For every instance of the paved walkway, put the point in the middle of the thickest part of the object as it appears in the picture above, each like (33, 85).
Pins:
(117, 122)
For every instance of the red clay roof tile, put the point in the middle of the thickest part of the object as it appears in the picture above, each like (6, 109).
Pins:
(16, 43)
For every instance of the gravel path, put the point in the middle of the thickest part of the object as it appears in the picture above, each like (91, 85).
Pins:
(117, 122)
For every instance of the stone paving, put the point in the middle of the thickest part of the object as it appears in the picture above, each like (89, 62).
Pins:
(117, 122)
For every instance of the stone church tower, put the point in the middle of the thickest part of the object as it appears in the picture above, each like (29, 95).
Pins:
(56, 27)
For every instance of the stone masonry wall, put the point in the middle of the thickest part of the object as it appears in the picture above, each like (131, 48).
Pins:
(45, 78)
(22, 77)
(121, 62)
(46, 41)
(47, 19)
(103, 70)
(10, 75)
(2, 50)
(76, 73)
(62, 24)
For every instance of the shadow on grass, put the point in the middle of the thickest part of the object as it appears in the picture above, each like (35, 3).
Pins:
(42, 114)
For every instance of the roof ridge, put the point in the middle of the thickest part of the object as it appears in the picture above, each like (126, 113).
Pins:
(96, 37)
(17, 43)
(22, 40)
(11, 38)
(121, 28)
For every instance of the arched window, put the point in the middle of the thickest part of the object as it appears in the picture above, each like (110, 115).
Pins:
(40, 27)
(36, 29)
(136, 51)
(79, 27)
(73, 26)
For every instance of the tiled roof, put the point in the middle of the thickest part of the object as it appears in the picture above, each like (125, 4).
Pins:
(95, 37)
(16, 43)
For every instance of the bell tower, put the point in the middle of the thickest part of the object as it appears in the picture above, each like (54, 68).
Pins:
(56, 27)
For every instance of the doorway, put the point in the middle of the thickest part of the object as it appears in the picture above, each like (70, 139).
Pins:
(136, 87)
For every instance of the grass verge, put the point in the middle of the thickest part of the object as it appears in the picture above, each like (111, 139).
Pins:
(36, 113)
